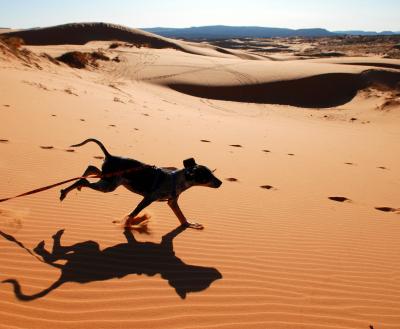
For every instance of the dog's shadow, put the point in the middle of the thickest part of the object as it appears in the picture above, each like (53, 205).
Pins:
(86, 262)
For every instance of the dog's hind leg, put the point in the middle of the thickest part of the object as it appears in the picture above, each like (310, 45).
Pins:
(102, 185)
(90, 170)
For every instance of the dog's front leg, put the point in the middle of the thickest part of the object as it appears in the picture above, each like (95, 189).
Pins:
(173, 203)
(142, 204)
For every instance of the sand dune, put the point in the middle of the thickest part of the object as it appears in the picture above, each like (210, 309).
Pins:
(82, 33)
(327, 90)
(303, 232)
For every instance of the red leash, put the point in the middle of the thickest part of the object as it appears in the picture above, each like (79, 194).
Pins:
(47, 187)
(41, 189)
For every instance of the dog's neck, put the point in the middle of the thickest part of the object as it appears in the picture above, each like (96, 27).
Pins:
(181, 181)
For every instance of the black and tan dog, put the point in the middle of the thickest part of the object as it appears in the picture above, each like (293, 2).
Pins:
(153, 183)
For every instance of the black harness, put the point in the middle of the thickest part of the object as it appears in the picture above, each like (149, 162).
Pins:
(173, 181)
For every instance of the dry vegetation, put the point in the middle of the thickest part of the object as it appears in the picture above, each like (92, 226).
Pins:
(80, 60)
(137, 44)
(13, 46)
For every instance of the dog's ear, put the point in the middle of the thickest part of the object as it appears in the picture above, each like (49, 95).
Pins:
(189, 163)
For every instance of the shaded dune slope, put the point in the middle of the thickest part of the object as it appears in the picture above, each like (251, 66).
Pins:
(319, 91)
(81, 33)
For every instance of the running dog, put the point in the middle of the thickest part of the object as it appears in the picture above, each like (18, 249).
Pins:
(151, 182)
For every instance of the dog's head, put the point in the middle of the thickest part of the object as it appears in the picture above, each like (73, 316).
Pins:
(200, 175)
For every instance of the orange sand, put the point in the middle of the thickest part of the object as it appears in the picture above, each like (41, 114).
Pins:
(283, 257)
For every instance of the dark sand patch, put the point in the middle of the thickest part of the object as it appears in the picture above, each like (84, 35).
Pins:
(267, 187)
(338, 198)
(386, 209)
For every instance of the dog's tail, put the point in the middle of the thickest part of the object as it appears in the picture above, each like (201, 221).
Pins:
(94, 141)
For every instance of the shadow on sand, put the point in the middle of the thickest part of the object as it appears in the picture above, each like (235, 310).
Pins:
(85, 262)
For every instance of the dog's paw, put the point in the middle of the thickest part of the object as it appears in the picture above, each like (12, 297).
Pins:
(40, 247)
(63, 194)
(58, 234)
(135, 220)
(195, 226)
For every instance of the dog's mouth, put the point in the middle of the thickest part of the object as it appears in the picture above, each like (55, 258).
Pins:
(217, 183)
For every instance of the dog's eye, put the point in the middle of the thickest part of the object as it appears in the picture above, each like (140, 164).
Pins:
(202, 175)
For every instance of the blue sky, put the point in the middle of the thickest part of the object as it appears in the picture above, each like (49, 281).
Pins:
(331, 14)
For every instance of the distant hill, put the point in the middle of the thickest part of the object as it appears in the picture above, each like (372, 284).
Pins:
(224, 32)
(367, 32)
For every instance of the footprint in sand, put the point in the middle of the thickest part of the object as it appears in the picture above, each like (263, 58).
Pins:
(349, 163)
(69, 150)
(54, 115)
(11, 219)
(4, 140)
(82, 119)
(267, 187)
(117, 100)
(266, 151)
(387, 209)
(99, 157)
(339, 198)
(291, 154)
(382, 167)
(236, 145)
(205, 141)
(6, 105)
(232, 179)
(47, 147)
(112, 125)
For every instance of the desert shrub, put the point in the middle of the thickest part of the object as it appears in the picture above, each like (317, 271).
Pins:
(50, 58)
(114, 45)
(13, 42)
(99, 55)
(75, 59)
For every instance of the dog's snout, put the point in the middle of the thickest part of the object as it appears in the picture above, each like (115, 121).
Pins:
(217, 183)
